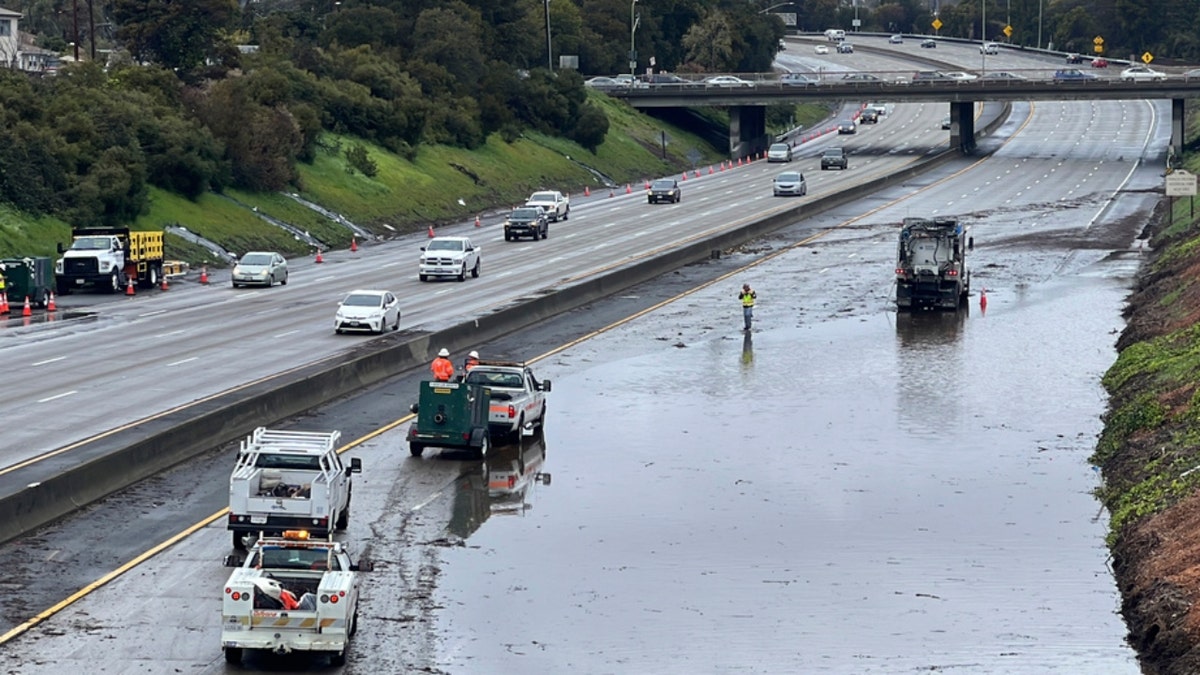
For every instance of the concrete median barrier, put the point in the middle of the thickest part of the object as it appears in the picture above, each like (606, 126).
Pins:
(39, 493)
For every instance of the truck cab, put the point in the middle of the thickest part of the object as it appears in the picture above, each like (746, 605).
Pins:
(291, 593)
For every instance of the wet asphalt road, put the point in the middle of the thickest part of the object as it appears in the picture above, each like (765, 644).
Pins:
(847, 491)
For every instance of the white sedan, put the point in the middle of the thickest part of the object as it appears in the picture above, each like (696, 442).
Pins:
(366, 310)
(1142, 73)
(727, 81)
(821, 49)
(960, 76)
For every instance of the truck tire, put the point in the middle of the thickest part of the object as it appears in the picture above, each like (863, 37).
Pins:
(43, 299)
(233, 656)
(114, 283)
(475, 270)
(462, 273)
(415, 449)
(337, 659)
(151, 279)
(484, 447)
(515, 434)
(239, 541)
(343, 519)
(567, 214)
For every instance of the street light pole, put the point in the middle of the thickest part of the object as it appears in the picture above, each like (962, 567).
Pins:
(549, 52)
(983, 35)
(1039, 44)
(633, 24)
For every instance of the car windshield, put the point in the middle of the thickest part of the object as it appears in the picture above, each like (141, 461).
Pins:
(525, 214)
(663, 185)
(542, 197)
(833, 152)
(778, 147)
(363, 300)
(275, 558)
(788, 177)
(491, 379)
(90, 244)
(285, 461)
(445, 245)
(256, 259)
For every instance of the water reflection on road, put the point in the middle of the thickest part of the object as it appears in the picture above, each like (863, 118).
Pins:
(871, 494)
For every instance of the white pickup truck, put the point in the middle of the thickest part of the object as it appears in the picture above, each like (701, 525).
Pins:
(449, 257)
(518, 399)
(556, 205)
(292, 593)
(289, 480)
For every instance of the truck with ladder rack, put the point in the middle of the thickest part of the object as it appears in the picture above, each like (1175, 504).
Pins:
(931, 264)
(109, 258)
(292, 593)
(289, 480)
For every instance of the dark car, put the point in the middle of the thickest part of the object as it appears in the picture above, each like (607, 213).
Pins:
(931, 76)
(834, 158)
(847, 127)
(845, 48)
(1074, 58)
(860, 77)
(526, 221)
(664, 190)
(667, 78)
(928, 44)
(868, 116)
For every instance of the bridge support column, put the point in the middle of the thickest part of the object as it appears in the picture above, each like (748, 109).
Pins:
(1176, 149)
(747, 130)
(962, 126)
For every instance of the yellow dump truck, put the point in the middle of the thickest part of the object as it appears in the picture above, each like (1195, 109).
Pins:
(108, 258)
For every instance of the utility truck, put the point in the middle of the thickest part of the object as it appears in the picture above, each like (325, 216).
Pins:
(291, 594)
(517, 398)
(108, 258)
(931, 264)
(289, 480)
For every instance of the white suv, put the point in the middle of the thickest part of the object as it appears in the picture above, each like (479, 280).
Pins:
(449, 257)
(989, 48)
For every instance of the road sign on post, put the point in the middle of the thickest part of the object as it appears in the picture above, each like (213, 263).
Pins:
(1008, 31)
(937, 24)
(1147, 58)
(1181, 183)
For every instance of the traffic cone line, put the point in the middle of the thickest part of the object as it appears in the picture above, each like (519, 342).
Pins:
(50, 306)
(129, 287)
(27, 311)
(353, 244)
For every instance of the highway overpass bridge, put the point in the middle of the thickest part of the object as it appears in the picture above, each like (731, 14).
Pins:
(747, 103)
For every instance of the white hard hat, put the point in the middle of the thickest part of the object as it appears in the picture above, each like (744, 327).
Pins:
(474, 355)
(444, 352)
(269, 587)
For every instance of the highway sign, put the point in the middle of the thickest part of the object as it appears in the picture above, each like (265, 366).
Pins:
(1099, 49)
(1181, 183)
(937, 24)
(1147, 58)
(1097, 40)
(1008, 31)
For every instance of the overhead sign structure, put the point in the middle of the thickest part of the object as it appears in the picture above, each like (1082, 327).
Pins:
(1147, 58)
(1181, 183)
(788, 18)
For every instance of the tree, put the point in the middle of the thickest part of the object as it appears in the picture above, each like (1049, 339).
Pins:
(178, 34)
(710, 42)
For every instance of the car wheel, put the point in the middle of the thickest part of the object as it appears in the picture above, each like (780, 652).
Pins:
(423, 277)
(475, 271)
(234, 283)
(546, 233)
(462, 273)
(233, 656)
(649, 200)
(284, 281)
(804, 191)
(567, 215)
(396, 326)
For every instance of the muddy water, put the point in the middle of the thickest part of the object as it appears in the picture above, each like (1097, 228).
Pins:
(862, 494)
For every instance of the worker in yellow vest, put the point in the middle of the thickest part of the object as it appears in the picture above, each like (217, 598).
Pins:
(747, 296)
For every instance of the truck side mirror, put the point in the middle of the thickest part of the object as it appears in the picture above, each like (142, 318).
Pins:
(233, 561)
(355, 465)
(363, 566)
(61, 248)
(545, 385)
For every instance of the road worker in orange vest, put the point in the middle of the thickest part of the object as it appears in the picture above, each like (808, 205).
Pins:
(471, 362)
(443, 368)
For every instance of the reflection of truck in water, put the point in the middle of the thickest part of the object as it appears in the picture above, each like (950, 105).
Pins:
(503, 486)
(931, 264)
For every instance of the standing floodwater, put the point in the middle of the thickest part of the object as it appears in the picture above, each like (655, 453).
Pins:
(871, 494)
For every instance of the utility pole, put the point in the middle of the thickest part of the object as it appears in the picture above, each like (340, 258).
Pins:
(549, 52)
(92, 28)
(633, 24)
(75, 26)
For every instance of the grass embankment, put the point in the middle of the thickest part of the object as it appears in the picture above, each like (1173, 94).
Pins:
(403, 195)
(1149, 451)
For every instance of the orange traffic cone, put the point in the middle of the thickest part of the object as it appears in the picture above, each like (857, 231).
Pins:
(710, 170)
(27, 311)
(722, 165)
(50, 306)
(983, 299)
(739, 161)
(204, 274)
(697, 173)
(129, 287)
(684, 176)
(587, 191)
(611, 192)
(647, 185)
(628, 188)
(163, 285)
(431, 234)
(477, 220)
(319, 259)
(353, 244)
(4, 309)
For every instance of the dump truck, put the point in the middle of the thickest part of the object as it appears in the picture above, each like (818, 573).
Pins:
(286, 480)
(450, 415)
(292, 593)
(109, 258)
(31, 278)
(931, 264)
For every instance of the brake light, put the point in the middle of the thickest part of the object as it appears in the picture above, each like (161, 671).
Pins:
(512, 412)
(512, 482)
(900, 271)
(236, 595)
(227, 590)
(952, 273)
(333, 599)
